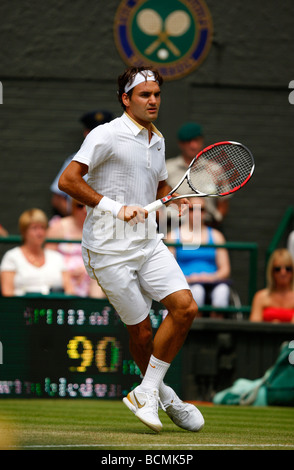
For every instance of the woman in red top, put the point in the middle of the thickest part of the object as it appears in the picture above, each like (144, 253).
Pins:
(275, 303)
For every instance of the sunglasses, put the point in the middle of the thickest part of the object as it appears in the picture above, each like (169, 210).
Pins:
(277, 269)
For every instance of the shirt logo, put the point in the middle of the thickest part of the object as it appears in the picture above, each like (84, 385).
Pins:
(173, 35)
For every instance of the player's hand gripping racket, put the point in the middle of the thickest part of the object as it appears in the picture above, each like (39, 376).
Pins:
(218, 170)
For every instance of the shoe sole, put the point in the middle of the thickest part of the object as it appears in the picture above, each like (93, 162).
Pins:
(129, 404)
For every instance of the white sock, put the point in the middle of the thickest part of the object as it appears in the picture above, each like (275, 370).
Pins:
(155, 373)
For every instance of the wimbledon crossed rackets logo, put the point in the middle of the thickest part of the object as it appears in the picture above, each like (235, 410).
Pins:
(173, 35)
(175, 25)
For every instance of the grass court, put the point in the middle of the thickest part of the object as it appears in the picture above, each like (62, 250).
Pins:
(109, 425)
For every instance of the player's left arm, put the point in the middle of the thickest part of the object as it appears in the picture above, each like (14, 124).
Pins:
(164, 188)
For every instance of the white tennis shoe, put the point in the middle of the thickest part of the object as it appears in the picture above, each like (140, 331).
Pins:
(144, 405)
(185, 415)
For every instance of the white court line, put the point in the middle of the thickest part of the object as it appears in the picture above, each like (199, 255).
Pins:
(53, 446)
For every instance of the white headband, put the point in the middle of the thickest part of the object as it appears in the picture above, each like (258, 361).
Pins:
(140, 77)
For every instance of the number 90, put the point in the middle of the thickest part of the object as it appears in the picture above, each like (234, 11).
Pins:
(107, 353)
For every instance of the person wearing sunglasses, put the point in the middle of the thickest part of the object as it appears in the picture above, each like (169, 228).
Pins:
(275, 303)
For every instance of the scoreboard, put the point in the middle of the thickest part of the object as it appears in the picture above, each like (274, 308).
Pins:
(58, 347)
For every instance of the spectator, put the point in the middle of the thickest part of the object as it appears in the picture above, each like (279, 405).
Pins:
(60, 201)
(191, 142)
(30, 268)
(71, 228)
(206, 269)
(275, 303)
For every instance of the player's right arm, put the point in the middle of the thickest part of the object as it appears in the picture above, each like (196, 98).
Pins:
(72, 183)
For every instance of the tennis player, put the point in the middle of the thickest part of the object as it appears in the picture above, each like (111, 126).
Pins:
(125, 163)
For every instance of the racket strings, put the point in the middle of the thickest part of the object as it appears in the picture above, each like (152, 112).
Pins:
(221, 169)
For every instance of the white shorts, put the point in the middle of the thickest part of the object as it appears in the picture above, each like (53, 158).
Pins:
(132, 281)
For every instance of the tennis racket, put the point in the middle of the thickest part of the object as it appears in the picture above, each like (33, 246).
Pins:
(218, 170)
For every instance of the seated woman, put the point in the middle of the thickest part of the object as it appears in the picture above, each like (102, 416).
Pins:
(206, 269)
(275, 303)
(30, 268)
(71, 228)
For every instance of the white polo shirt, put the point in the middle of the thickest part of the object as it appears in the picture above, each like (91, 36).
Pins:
(122, 165)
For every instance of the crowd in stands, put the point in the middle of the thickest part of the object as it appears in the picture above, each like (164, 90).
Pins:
(39, 266)
(30, 267)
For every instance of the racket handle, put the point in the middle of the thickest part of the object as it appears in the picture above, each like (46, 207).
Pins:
(154, 206)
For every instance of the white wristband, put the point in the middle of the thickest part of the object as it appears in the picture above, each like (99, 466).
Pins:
(109, 205)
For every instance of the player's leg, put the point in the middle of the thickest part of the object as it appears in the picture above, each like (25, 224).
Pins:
(163, 275)
(119, 281)
(141, 343)
(167, 342)
(143, 400)
(131, 301)
(163, 279)
(154, 357)
(170, 335)
(182, 309)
